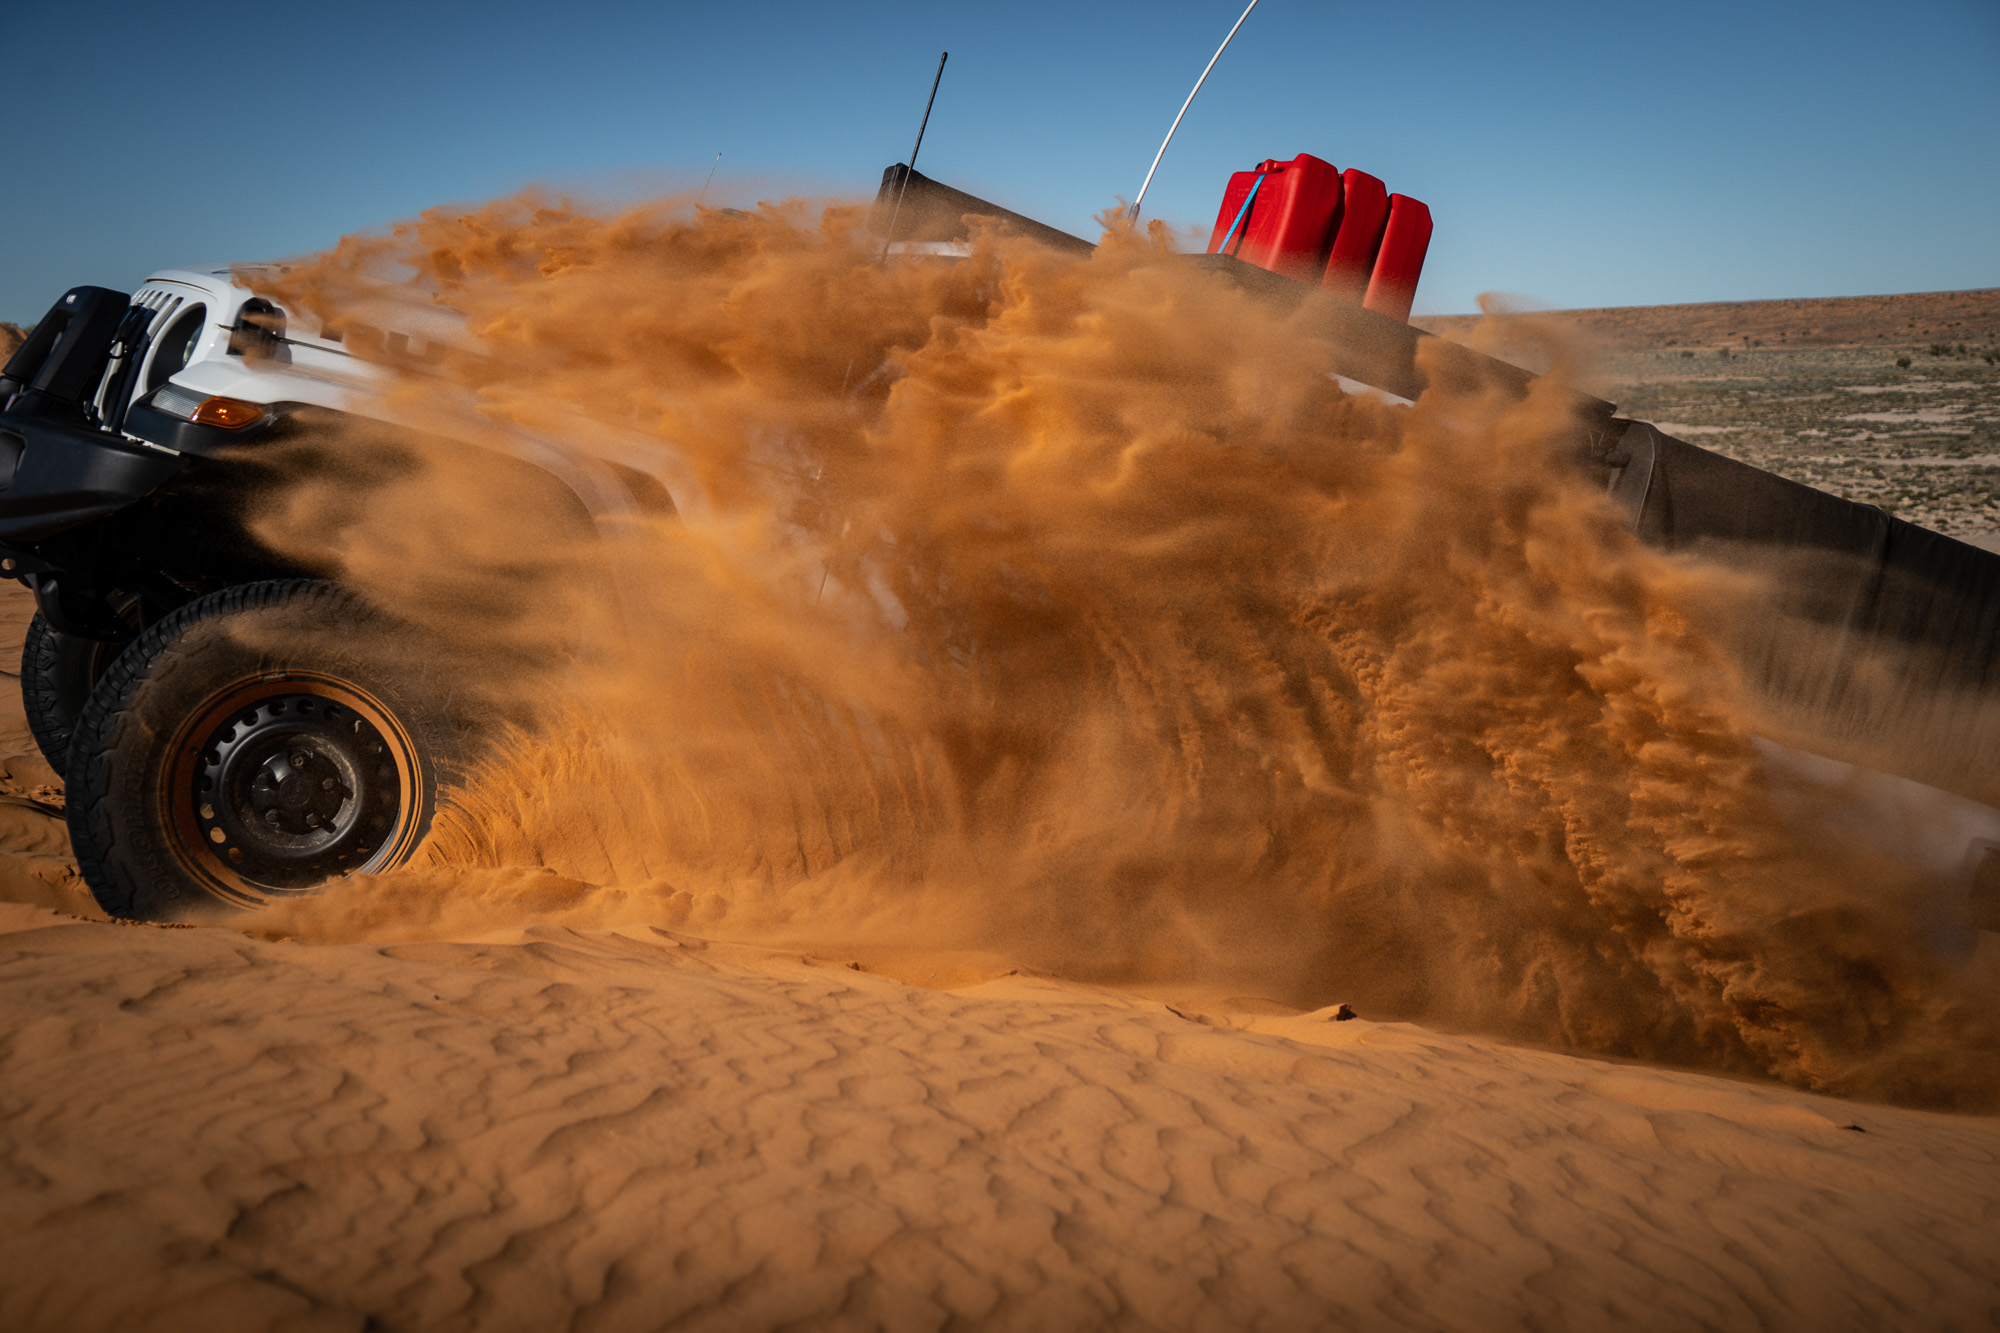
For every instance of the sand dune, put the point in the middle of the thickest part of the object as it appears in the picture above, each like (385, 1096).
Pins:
(639, 1129)
(546, 1118)
(642, 1130)
(35, 865)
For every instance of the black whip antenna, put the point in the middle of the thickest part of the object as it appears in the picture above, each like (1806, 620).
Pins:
(910, 168)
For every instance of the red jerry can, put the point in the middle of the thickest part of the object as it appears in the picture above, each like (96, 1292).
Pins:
(1280, 216)
(1364, 213)
(1393, 288)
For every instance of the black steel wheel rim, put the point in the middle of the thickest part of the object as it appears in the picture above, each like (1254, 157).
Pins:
(291, 789)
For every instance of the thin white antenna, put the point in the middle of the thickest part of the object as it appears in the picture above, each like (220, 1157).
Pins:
(1133, 212)
(711, 176)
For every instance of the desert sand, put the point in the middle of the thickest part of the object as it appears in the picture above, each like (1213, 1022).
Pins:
(1885, 400)
(446, 1122)
(1970, 317)
(546, 1128)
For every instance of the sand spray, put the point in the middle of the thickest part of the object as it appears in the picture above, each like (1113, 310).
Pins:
(1067, 608)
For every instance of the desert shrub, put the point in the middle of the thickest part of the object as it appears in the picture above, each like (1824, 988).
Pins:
(1902, 363)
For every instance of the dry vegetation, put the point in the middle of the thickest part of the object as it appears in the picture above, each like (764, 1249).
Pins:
(1889, 400)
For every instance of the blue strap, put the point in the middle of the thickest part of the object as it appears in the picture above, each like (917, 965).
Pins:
(1241, 214)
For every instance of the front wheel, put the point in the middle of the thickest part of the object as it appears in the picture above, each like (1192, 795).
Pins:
(251, 746)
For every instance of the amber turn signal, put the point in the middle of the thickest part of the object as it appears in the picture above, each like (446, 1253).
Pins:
(228, 413)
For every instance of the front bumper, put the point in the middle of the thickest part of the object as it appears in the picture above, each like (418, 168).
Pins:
(57, 476)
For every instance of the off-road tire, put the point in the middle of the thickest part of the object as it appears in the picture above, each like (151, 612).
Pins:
(253, 745)
(57, 673)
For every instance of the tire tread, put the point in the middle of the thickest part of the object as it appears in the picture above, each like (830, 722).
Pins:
(115, 872)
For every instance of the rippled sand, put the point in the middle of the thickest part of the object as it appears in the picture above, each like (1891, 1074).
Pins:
(640, 1129)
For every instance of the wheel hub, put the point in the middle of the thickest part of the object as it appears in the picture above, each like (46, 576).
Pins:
(295, 788)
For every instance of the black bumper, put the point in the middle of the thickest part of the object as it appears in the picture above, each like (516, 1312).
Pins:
(57, 476)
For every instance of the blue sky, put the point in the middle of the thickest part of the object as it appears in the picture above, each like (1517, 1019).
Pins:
(1573, 154)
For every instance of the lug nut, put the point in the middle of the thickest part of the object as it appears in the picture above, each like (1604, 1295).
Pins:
(326, 784)
(270, 816)
(312, 820)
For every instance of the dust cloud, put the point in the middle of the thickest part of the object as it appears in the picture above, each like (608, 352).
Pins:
(1068, 608)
